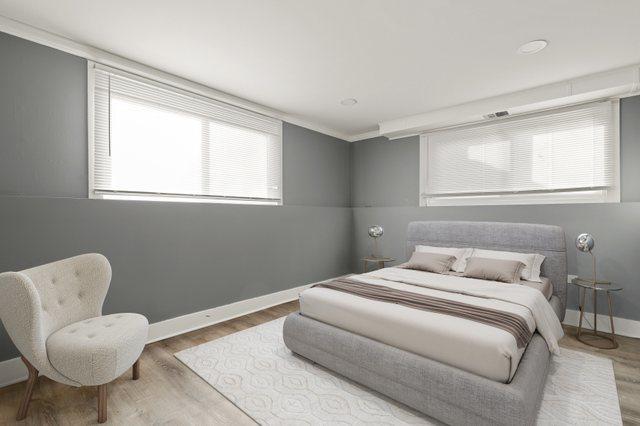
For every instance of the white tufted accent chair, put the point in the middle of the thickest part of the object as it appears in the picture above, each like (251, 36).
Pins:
(53, 314)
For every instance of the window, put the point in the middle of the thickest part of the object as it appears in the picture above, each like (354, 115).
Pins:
(154, 142)
(562, 156)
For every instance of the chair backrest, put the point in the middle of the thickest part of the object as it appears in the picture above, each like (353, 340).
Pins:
(39, 301)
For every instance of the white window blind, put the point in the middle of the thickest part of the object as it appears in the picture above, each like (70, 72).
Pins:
(571, 151)
(150, 139)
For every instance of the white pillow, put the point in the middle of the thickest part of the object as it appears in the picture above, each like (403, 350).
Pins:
(532, 261)
(461, 254)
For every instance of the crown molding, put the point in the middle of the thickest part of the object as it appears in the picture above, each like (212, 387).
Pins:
(403, 127)
(363, 136)
(611, 84)
(46, 38)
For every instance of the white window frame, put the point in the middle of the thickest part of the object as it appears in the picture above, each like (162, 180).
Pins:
(158, 197)
(611, 195)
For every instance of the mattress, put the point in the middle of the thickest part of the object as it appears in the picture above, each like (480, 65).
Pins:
(469, 345)
(544, 286)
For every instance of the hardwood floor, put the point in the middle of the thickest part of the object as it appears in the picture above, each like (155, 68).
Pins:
(170, 393)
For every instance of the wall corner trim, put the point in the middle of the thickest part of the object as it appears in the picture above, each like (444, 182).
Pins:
(13, 370)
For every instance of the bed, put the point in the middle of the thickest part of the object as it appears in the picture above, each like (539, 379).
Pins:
(437, 364)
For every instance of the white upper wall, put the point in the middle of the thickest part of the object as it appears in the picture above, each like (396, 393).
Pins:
(396, 57)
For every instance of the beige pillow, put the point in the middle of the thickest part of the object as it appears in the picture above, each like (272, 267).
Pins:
(430, 262)
(503, 270)
(532, 261)
(461, 254)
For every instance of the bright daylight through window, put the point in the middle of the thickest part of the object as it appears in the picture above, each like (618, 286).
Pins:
(569, 155)
(154, 142)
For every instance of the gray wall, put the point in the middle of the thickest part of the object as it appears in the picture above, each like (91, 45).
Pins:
(383, 172)
(384, 190)
(630, 148)
(168, 259)
(315, 168)
(43, 121)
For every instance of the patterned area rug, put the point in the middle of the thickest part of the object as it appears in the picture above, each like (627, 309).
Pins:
(254, 370)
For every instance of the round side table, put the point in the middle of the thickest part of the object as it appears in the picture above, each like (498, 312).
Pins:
(378, 260)
(593, 338)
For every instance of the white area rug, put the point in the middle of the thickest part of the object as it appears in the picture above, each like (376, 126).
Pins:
(254, 370)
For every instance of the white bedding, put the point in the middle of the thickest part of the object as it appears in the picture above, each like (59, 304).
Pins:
(469, 345)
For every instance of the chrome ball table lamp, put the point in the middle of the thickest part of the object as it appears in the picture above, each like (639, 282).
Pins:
(585, 243)
(375, 232)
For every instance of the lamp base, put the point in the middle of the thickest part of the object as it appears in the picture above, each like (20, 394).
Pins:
(374, 252)
(598, 339)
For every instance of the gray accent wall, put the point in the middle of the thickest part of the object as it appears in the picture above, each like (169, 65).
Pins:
(630, 149)
(43, 120)
(168, 259)
(383, 172)
(384, 191)
(315, 168)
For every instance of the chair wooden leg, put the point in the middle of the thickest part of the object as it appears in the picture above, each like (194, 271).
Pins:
(136, 370)
(102, 403)
(31, 383)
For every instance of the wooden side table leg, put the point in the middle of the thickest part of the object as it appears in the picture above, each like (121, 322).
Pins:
(613, 330)
(595, 312)
(364, 266)
(380, 265)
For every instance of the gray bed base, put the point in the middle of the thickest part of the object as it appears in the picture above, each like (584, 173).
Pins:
(443, 392)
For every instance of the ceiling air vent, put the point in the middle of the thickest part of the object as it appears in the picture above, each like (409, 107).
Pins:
(496, 115)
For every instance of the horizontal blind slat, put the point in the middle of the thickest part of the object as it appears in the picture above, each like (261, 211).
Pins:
(569, 149)
(151, 139)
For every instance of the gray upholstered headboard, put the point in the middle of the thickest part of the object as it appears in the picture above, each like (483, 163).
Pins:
(547, 240)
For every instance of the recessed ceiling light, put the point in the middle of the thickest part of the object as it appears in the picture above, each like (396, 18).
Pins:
(348, 102)
(532, 47)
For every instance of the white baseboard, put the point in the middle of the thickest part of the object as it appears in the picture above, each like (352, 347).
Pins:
(623, 326)
(189, 322)
(13, 370)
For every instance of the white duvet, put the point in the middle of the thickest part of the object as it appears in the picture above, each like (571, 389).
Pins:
(478, 348)
(547, 322)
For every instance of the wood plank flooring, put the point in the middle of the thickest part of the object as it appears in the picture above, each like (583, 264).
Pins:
(170, 393)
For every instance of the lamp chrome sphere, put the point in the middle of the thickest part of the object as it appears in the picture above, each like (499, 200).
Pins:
(585, 242)
(376, 231)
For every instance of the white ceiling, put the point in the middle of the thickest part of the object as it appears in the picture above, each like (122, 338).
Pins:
(397, 57)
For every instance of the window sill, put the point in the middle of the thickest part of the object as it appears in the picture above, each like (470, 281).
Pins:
(585, 197)
(183, 199)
